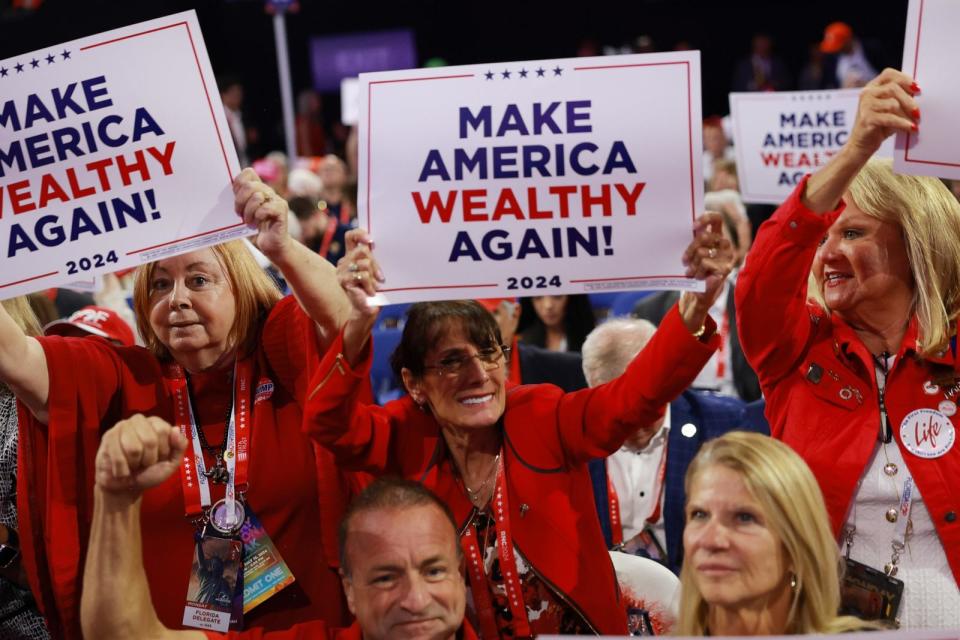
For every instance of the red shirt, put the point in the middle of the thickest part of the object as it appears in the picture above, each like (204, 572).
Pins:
(295, 489)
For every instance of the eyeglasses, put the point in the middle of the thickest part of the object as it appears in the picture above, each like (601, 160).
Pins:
(454, 364)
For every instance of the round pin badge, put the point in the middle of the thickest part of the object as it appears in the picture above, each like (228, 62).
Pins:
(930, 388)
(927, 433)
(947, 407)
(224, 520)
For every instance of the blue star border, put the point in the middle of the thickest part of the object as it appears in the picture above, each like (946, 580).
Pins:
(522, 73)
(35, 63)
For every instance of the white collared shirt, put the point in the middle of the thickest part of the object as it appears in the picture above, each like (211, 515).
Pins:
(634, 476)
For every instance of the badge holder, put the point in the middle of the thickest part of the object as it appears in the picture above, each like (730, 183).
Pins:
(869, 593)
(216, 579)
(646, 545)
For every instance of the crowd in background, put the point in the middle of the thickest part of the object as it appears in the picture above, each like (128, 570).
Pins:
(641, 441)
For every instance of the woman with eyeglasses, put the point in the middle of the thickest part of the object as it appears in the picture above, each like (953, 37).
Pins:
(509, 460)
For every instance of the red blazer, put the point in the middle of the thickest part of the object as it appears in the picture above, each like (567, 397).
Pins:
(548, 437)
(783, 337)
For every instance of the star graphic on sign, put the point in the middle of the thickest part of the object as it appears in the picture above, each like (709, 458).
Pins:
(51, 58)
(65, 54)
(34, 63)
(540, 72)
(505, 73)
(523, 73)
(557, 71)
(18, 67)
(3, 72)
(488, 75)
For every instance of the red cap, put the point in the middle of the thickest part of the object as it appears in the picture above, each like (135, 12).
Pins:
(98, 321)
(492, 304)
(835, 37)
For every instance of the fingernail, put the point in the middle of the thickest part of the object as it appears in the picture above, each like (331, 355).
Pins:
(380, 275)
(914, 88)
(916, 113)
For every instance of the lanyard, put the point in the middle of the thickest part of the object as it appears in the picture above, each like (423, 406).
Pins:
(328, 236)
(721, 355)
(508, 567)
(616, 524)
(616, 527)
(899, 540)
(196, 485)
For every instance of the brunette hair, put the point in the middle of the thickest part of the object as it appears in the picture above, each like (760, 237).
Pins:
(254, 291)
(428, 322)
(578, 321)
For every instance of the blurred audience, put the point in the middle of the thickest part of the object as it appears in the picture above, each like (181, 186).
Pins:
(310, 130)
(761, 70)
(557, 323)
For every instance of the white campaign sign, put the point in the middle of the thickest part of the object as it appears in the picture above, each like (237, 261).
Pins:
(114, 151)
(930, 52)
(531, 178)
(900, 634)
(780, 137)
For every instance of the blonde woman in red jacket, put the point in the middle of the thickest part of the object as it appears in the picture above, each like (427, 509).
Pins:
(509, 460)
(862, 377)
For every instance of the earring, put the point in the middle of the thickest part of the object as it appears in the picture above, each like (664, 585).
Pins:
(793, 581)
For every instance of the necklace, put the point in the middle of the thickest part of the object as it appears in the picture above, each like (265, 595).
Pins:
(218, 473)
(474, 494)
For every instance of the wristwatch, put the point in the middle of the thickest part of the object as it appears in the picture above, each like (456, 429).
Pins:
(10, 550)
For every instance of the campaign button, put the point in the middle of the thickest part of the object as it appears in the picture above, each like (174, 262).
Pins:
(947, 407)
(927, 433)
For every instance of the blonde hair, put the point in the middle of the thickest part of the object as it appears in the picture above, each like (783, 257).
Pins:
(929, 218)
(22, 313)
(780, 481)
(254, 291)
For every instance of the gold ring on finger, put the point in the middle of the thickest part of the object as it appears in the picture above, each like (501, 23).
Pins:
(712, 252)
(352, 267)
(358, 276)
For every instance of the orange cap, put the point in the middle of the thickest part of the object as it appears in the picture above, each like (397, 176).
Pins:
(835, 37)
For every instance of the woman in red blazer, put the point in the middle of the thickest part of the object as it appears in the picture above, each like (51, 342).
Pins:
(847, 309)
(509, 460)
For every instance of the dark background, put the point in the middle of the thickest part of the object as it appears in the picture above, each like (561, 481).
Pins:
(239, 34)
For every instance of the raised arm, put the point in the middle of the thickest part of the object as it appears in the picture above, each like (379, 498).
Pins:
(771, 291)
(23, 366)
(312, 279)
(886, 106)
(595, 422)
(136, 454)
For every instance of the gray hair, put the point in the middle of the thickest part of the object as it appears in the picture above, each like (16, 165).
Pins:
(611, 346)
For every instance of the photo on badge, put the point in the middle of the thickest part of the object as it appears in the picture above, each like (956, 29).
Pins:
(213, 583)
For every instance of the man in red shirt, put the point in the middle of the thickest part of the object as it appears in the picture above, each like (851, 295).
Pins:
(401, 562)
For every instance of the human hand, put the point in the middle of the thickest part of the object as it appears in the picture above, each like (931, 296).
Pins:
(709, 257)
(358, 273)
(138, 453)
(260, 206)
(887, 105)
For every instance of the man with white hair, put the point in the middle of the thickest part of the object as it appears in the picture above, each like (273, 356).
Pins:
(639, 489)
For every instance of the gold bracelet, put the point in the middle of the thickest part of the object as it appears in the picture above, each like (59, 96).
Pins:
(699, 332)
